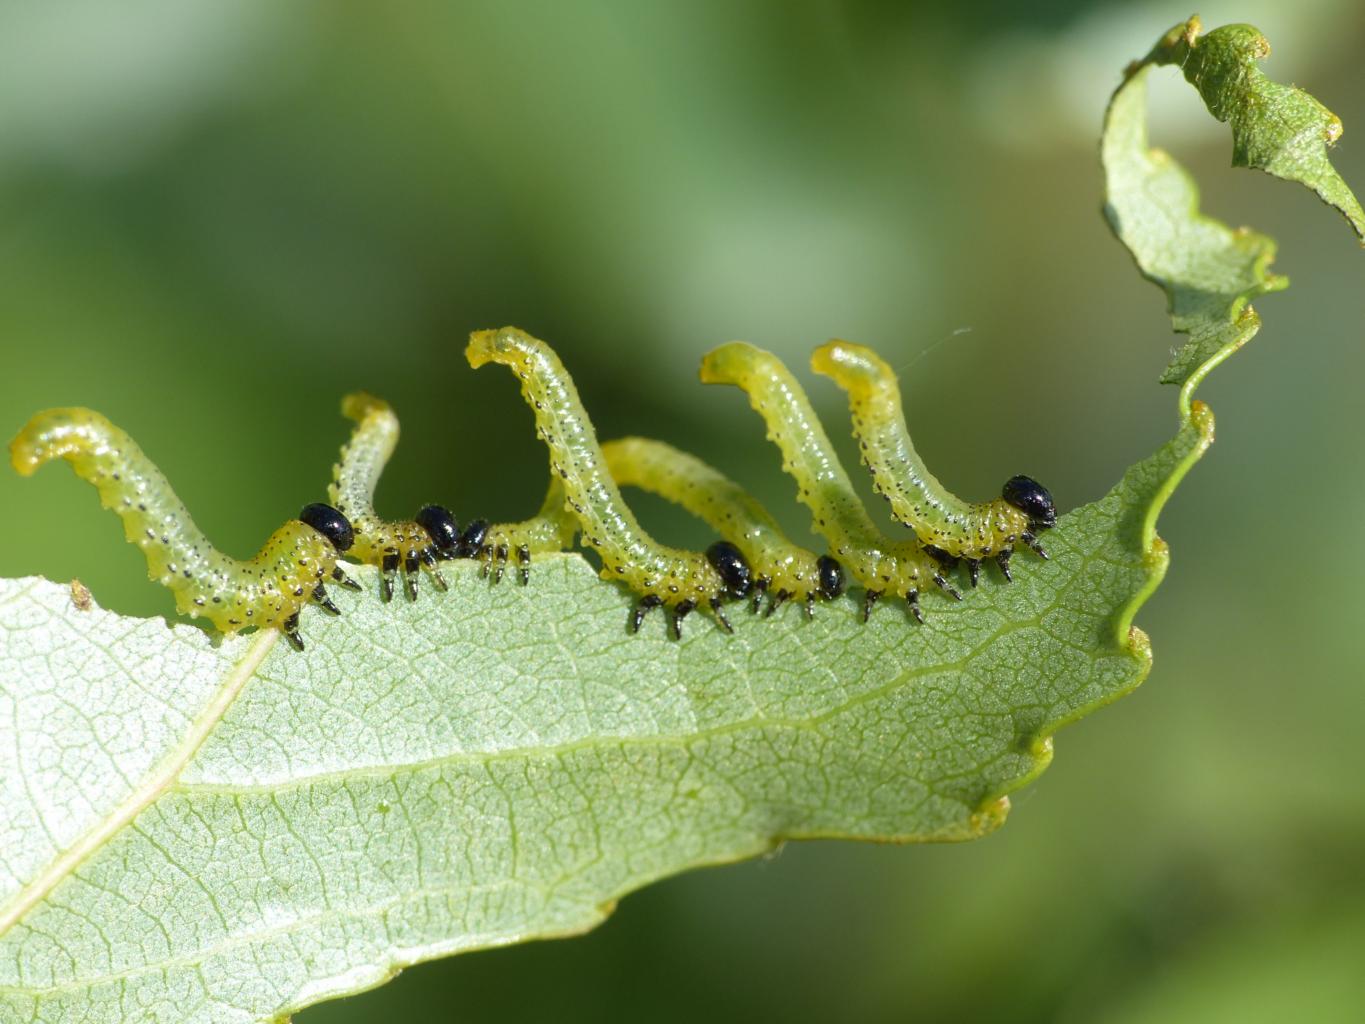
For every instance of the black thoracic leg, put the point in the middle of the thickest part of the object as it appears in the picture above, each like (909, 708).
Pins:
(761, 586)
(388, 567)
(946, 587)
(494, 561)
(1003, 560)
(869, 599)
(410, 568)
(524, 561)
(320, 597)
(810, 604)
(1032, 542)
(949, 562)
(779, 599)
(912, 599)
(646, 605)
(343, 579)
(720, 615)
(429, 559)
(681, 610)
(290, 628)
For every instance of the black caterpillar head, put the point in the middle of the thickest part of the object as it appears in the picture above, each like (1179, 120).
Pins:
(732, 567)
(1031, 498)
(831, 577)
(471, 541)
(441, 528)
(330, 523)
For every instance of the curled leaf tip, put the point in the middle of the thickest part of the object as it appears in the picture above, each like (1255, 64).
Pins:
(1211, 272)
(1275, 128)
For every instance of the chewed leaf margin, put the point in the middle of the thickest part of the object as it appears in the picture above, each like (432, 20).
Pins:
(1075, 610)
(1009, 673)
(1211, 272)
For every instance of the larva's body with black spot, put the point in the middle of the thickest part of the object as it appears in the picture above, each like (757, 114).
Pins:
(405, 545)
(781, 569)
(874, 560)
(661, 575)
(267, 590)
(941, 520)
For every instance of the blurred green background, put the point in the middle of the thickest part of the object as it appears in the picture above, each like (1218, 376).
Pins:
(215, 219)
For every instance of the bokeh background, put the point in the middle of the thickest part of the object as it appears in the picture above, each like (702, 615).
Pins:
(215, 219)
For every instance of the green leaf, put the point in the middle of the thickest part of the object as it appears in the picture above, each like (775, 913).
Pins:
(194, 831)
(1211, 272)
(231, 833)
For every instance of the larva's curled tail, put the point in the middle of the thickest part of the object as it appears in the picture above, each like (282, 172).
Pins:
(875, 561)
(661, 575)
(940, 519)
(267, 590)
(781, 569)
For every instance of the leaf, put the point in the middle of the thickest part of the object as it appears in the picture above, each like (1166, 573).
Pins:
(198, 832)
(498, 763)
(1210, 272)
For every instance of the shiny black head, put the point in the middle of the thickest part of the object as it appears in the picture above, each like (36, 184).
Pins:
(831, 577)
(472, 538)
(726, 559)
(330, 523)
(441, 528)
(1031, 498)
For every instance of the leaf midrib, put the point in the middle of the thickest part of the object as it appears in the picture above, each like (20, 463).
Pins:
(157, 782)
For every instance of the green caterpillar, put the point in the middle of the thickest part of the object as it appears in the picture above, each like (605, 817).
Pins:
(753, 558)
(780, 568)
(662, 576)
(941, 520)
(268, 590)
(433, 534)
(875, 561)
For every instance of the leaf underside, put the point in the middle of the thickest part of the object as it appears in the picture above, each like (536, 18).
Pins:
(502, 763)
(198, 832)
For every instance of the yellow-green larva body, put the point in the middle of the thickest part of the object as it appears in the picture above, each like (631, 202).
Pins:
(552, 528)
(939, 518)
(266, 590)
(679, 579)
(403, 544)
(387, 544)
(779, 566)
(875, 561)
